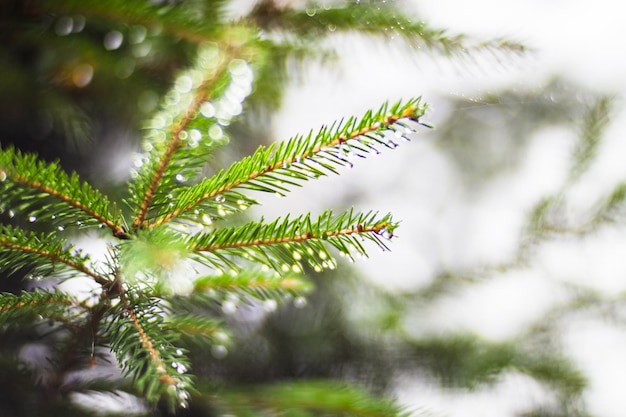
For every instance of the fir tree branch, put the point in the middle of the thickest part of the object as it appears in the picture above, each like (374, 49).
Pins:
(49, 193)
(175, 143)
(144, 348)
(258, 284)
(40, 253)
(284, 243)
(15, 310)
(194, 131)
(595, 121)
(375, 18)
(298, 159)
(303, 398)
(194, 325)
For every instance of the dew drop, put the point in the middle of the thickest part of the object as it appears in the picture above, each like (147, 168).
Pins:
(299, 302)
(180, 178)
(183, 135)
(296, 268)
(285, 268)
(311, 12)
(297, 255)
(11, 214)
(219, 351)
(221, 211)
(82, 75)
(184, 84)
(207, 220)
(207, 109)
(181, 369)
(195, 135)
(64, 26)
(228, 307)
(179, 352)
(270, 305)
(32, 219)
(142, 49)
(322, 254)
(137, 35)
(216, 132)
(220, 198)
(61, 228)
(242, 204)
(79, 24)
(332, 28)
(221, 336)
(317, 268)
(113, 40)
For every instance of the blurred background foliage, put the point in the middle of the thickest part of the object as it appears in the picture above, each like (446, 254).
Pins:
(75, 86)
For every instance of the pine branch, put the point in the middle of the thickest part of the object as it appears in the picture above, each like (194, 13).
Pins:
(375, 18)
(299, 159)
(595, 121)
(41, 253)
(195, 326)
(284, 243)
(16, 310)
(190, 126)
(262, 285)
(143, 346)
(47, 193)
(303, 399)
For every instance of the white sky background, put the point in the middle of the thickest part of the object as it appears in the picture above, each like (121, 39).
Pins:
(580, 41)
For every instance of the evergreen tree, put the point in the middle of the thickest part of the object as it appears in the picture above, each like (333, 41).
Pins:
(178, 255)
